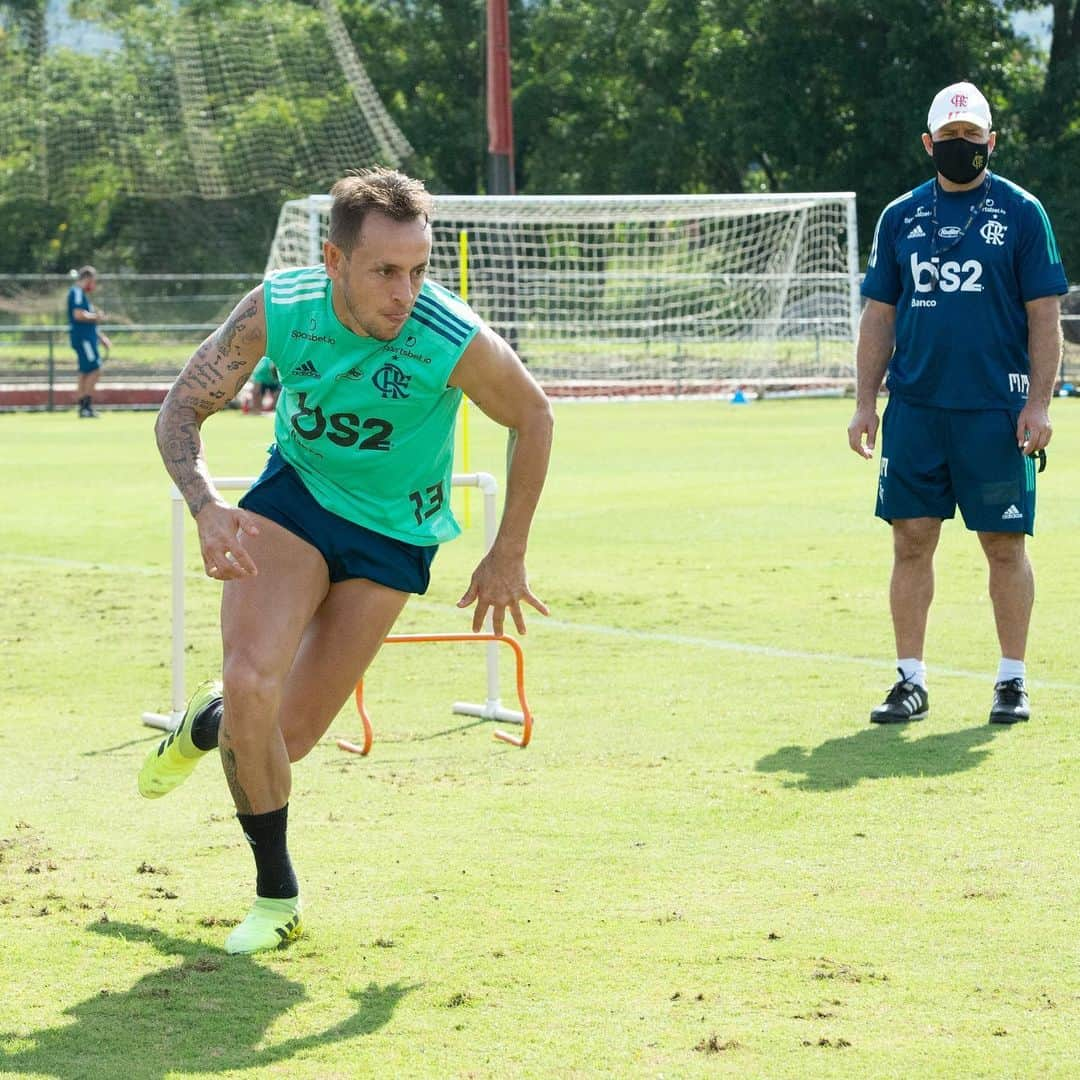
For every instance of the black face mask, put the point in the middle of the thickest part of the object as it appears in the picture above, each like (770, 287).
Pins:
(959, 160)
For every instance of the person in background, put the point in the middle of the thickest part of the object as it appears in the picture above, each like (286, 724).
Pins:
(962, 312)
(86, 337)
(261, 393)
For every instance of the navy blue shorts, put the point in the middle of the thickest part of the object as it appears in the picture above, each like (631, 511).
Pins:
(933, 460)
(86, 352)
(350, 550)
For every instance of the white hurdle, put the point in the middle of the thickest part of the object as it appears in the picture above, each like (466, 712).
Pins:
(491, 709)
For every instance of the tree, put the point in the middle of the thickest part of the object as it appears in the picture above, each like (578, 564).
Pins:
(1048, 157)
(607, 100)
(1060, 97)
(427, 59)
(173, 145)
(774, 95)
(610, 96)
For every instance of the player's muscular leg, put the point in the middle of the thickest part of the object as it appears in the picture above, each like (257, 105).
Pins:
(263, 619)
(912, 586)
(338, 645)
(1012, 589)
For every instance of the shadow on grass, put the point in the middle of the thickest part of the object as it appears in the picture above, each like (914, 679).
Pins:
(879, 752)
(452, 730)
(139, 741)
(207, 1015)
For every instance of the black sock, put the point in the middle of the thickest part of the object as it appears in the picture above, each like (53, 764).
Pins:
(204, 728)
(265, 833)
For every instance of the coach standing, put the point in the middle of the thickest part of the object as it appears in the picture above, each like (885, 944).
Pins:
(963, 313)
(83, 323)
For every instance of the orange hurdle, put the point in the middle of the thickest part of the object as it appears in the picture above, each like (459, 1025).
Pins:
(490, 709)
(492, 712)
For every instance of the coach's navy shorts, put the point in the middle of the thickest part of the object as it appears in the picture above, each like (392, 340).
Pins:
(350, 550)
(86, 351)
(935, 459)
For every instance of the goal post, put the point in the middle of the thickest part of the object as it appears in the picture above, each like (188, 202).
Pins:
(490, 709)
(646, 294)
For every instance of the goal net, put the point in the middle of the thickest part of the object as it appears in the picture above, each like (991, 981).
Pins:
(162, 135)
(645, 294)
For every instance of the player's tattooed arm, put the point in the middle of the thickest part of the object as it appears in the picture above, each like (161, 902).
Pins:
(213, 376)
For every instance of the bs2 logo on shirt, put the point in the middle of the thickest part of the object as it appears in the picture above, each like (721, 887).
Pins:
(951, 275)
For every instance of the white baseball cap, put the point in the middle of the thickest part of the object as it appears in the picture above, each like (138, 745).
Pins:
(960, 101)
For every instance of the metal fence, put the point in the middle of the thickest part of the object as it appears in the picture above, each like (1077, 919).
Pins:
(41, 356)
(156, 321)
(128, 299)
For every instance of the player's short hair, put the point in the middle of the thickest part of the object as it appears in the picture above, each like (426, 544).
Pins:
(85, 272)
(392, 193)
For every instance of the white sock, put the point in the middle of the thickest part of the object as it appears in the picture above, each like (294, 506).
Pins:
(913, 670)
(1010, 669)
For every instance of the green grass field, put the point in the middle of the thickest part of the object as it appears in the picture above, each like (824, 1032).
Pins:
(707, 862)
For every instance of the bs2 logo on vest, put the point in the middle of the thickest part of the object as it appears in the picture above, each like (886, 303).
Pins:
(343, 429)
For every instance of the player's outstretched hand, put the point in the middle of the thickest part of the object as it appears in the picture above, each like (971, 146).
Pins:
(500, 584)
(221, 536)
(862, 432)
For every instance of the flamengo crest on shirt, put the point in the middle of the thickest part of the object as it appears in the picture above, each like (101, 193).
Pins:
(391, 381)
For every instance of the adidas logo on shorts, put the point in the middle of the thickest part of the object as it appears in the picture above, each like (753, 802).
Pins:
(306, 370)
(1012, 514)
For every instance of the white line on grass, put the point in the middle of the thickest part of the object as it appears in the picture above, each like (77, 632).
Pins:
(772, 651)
(83, 564)
(589, 629)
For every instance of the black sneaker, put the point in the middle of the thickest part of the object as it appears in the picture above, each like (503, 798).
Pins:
(1010, 702)
(905, 701)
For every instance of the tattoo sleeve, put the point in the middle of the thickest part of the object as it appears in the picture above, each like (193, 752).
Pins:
(213, 376)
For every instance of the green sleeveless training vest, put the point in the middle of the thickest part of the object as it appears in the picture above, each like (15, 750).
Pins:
(369, 424)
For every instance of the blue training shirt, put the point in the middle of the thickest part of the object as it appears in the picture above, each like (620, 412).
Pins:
(963, 344)
(80, 331)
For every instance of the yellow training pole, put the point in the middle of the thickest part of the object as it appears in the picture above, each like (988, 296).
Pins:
(463, 260)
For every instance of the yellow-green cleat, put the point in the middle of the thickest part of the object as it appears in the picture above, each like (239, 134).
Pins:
(173, 760)
(269, 925)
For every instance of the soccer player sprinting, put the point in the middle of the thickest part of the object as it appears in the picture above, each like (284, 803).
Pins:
(346, 518)
(963, 312)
